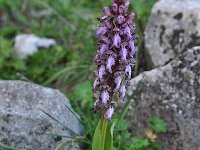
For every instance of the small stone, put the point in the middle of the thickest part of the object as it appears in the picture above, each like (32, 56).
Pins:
(28, 44)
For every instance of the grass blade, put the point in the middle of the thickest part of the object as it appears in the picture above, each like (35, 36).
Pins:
(56, 120)
(75, 115)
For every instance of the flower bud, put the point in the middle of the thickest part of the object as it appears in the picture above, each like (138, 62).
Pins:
(121, 9)
(115, 7)
(107, 11)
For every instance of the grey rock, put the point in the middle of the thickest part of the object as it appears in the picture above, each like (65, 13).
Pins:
(171, 92)
(23, 124)
(173, 27)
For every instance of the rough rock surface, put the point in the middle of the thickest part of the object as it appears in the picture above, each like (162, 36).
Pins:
(173, 27)
(171, 92)
(23, 124)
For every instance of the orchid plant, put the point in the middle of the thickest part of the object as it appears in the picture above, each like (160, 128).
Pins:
(114, 61)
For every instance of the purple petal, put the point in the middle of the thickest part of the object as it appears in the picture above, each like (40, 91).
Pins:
(127, 3)
(107, 11)
(108, 24)
(101, 71)
(127, 31)
(115, 7)
(121, 9)
(132, 26)
(123, 53)
(123, 91)
(120, 19)
(105, 40)
(130, 17)
(117, 40)
(110, 63)
(109, 113)
(118, 81)
(104, 47)
(105, 97)
(103, 18)
(101, 31)
(116, 29)
(133, 48)
(128, 71)
(118, 73)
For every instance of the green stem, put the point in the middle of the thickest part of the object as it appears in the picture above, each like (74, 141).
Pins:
(125, 109)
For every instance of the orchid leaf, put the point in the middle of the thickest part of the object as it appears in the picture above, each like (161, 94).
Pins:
(103, 136)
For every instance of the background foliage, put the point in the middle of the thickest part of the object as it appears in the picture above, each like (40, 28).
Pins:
(68, 66)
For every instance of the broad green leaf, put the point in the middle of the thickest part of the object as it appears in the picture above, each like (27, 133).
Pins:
(157, 125)
(103, 136)
(109, 136)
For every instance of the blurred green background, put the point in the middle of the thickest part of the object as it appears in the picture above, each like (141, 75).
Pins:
(67, 66)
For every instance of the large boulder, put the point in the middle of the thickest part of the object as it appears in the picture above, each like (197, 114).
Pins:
(173, 27)
(171, 92)
(23, 122)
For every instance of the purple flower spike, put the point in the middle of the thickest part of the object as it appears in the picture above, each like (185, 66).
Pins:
(101, 31)
(102, 71)
(114, 57)
(110, 63)
(109, 113)
(117, 40)
(118, 81)
(105, 97)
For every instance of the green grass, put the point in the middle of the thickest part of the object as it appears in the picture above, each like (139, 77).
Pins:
(67, 66)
